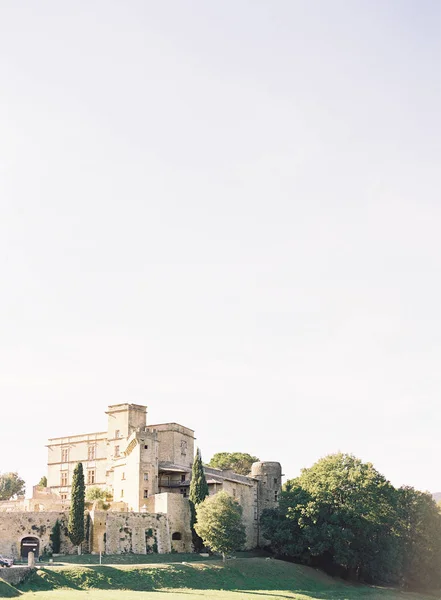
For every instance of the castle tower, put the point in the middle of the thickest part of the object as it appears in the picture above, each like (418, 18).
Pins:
(135, 476)
(125, 418)
(269, 486)
(122, 420)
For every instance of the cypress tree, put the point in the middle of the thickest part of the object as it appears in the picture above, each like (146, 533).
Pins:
(75, 525)
(198, 492)
(55, 537)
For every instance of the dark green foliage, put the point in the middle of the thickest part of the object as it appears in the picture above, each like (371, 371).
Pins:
(43, 481)
(198, 492)
(345, 517)
(198, 485)
(420, 539)
(87, 528)
(11, 485)
(55, 537)
(76, 512)
(239, 462)
(339, 516)
(8, 591)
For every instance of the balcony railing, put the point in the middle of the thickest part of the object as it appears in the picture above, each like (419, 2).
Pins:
(173, 484)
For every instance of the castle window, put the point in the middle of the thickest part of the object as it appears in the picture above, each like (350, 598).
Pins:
(182, 478)
(64, 454)
(276, 496)
(117, 433)
(275, 481)
(146, 476)
(122, 493)
(91, 452)
(116, 451)
(183, 492)
(255, 513)
(176, 536)
(146, 494)
(90, 476)
(123, 476)
(146, 447)
(63, 497)
(63, 481)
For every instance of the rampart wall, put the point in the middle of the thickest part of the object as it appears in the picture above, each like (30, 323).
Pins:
(15, 526)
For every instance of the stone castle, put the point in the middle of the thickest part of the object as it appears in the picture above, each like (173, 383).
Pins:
(146, 469)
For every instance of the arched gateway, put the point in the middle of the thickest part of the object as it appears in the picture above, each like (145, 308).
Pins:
(29, 544)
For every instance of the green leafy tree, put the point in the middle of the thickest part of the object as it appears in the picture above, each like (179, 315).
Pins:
(55, 537)
(96, 493)
(198, 492)
(43, 482)
(11, 485)
(219, 523)
(420, 539)
(239, 462)
(75, 526)
(346, 518)
(283, 526)
(340, 514)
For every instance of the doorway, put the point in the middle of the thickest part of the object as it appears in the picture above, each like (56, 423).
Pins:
(29, 544)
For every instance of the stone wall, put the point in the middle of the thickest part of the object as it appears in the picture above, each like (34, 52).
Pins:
(137, 533)
(176, 444)
(15, 526)
(177, 509)
(42, 500)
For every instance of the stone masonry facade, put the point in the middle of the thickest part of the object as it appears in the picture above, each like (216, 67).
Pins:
(146, 469)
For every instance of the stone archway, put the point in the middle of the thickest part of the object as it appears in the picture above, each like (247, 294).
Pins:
(29, 544)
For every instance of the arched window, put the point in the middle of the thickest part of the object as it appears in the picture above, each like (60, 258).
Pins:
(176, 536)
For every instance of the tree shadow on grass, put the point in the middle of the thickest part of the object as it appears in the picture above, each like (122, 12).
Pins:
(7, 590)
(251, 576)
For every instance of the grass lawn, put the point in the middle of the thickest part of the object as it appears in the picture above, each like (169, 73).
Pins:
(240, 579)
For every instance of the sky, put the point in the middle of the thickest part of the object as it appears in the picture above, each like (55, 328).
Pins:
(229, 212)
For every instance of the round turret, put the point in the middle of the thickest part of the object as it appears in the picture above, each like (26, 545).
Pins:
(267, 469)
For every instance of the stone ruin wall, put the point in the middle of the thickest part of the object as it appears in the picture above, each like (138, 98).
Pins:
(110, 532)
(137, 533)
(14, 526)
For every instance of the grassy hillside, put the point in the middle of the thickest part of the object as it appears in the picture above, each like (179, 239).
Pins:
(7, 591)
(241, 579)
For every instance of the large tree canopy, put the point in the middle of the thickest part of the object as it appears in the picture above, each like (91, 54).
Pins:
(239, 462)
(219, 523)
(343, 515)
(11, 485)
(420, 538)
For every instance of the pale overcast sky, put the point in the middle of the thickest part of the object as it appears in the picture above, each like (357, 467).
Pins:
(229, 211)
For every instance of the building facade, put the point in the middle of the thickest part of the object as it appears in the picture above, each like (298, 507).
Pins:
(146, 469)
